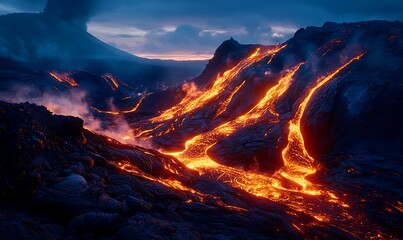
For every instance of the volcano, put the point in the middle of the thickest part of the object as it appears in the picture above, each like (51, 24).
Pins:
(300, 140)
(38, 44)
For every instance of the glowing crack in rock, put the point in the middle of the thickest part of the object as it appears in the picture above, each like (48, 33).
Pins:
(63, 78)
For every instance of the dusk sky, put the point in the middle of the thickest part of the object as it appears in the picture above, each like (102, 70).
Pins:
(180, 29)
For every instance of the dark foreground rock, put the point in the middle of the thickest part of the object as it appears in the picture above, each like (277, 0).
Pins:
(58, 180)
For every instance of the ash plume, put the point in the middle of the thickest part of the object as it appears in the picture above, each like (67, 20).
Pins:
(77, 12)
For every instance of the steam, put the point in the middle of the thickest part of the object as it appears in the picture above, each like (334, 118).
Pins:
(73, 103)
(191, 89)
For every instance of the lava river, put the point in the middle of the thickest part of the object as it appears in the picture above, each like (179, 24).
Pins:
(288, 185)
(297, 162)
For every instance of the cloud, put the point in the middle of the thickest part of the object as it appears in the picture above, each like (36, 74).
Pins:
(11, 6)
(77, 12)
(187, 41)
(166, 27)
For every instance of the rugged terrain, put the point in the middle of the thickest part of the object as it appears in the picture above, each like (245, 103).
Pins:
(300, 140)
(60, 180)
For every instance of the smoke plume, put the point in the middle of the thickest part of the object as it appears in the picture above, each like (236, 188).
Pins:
(73, 103)
(77, 12)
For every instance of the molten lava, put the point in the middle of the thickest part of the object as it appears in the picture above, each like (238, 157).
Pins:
(134, 109)
(326, 48)
(63, 78)
(191, 103)
(297, 162)
(288, 185)
(197, 147)
(224, 105)
(111, 80)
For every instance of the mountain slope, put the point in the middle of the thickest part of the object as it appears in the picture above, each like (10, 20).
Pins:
(30, 36)
(58, 180)
(42, 41)
(299, 140)
(366, 88)
(317, 115)
(34, 45)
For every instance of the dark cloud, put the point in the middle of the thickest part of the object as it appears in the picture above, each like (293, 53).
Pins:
(144, 26)
(77, 12)
(9, 6)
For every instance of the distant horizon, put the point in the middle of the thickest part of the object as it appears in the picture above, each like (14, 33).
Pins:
(182, 30)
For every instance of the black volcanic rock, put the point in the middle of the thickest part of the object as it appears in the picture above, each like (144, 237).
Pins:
(64, 181)
(58, 180)
(328, 123)
(359, 110)
(227, 55)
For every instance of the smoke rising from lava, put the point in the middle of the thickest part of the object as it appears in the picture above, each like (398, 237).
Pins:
(73, 103)
(191, 89)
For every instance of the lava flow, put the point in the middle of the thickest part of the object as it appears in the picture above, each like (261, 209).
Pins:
(195, 156)
(191, 103)
(297, 161)
(63, 78)
(111, 80)
(288, 185)
(132, 110)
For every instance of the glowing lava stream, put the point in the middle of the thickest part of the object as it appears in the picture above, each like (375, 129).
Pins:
(111, 80)
(123, 111)
(63, 78)
(297, 162)
(198, 145)
(195, 154)
(190, 103)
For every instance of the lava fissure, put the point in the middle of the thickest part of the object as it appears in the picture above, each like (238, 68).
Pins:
(134, 109)
(63, 78)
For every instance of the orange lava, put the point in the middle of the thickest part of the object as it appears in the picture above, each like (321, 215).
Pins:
(224, 105)
(297, 161)
(134, 109)
(111, 80)
(63, 78)
(326, 48)
(197, 146)
(191, 103)
(289, 184)
(308, 198)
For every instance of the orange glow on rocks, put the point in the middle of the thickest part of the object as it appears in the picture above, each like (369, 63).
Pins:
(111, 80)
(288, 185)
(63, 78)
(297, 161)
(134, 109)
(298, 191)
(192, 103)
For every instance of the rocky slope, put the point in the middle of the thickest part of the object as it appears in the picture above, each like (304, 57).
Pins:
(300, 140)
(357, 110)
(59, 180)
